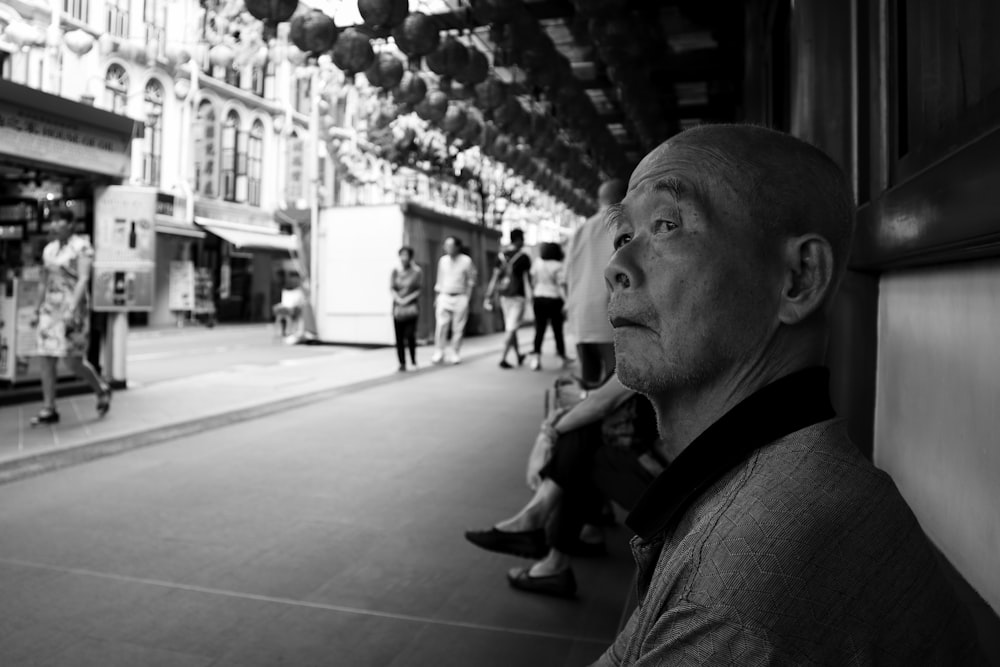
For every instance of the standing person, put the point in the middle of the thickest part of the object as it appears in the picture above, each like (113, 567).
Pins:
(770, 538)
(456, 278)
(549, 284)
(512, 281)
(405, 284)
(587, 254)
(63, 315)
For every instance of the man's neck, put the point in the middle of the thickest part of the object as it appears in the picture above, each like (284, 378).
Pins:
(683, 415)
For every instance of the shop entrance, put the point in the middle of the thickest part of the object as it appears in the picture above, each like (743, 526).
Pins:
(28, 196)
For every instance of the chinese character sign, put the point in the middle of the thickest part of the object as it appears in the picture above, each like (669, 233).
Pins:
(124, 248)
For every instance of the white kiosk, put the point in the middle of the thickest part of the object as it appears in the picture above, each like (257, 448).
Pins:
(356, 248)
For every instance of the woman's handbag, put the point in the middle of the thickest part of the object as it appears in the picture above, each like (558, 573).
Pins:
(408, 311)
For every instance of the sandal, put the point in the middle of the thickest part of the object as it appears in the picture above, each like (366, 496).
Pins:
(45, 416)
(104, 401)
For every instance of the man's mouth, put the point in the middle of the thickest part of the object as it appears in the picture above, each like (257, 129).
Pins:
(618, 322)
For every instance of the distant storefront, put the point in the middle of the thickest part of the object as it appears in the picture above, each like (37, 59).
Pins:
(53, 152)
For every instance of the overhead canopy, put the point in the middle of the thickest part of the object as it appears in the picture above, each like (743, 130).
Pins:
(247, 239)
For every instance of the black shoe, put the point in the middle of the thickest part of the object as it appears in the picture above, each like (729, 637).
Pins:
(104, 401)
(524, 543)
(504, 364)
(560, 585)
(401, 369)
(45, 416)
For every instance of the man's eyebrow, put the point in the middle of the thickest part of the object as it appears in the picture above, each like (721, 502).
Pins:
(675, 186)
(612, 217)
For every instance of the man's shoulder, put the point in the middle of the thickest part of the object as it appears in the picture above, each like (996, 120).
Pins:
(810, 527)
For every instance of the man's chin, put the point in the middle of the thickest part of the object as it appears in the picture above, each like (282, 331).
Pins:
(634, 374)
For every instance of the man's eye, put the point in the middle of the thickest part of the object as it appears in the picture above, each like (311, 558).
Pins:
(666, 225)
(622, 239)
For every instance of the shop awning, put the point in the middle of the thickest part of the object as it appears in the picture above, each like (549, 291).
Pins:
(168, 225)
(247, 239)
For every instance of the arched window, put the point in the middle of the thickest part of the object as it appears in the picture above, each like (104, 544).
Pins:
(116, 88)
(205, 151)
(230, 155)
(255, 157)
(153, 138)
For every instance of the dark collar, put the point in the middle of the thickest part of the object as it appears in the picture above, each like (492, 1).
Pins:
(786, 405)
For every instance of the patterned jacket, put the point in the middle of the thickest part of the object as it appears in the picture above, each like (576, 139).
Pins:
(772, 541)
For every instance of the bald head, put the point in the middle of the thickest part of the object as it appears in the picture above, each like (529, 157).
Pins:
(610, 192)
(788, 186)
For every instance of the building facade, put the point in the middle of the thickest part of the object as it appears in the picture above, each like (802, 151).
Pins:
(225, 124)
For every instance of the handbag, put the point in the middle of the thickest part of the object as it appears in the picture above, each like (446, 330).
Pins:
(407, 311)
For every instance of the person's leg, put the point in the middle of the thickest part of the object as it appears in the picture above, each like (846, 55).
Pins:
(400, 328)
(557, 327)
(48, 370)
(411, 339)
(590, 363)
(442, 320)
(86, 372)
(459, 319)
(540, 323)
(513, 311)
(607, 354)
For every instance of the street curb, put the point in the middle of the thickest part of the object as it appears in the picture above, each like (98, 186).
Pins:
(57, 458)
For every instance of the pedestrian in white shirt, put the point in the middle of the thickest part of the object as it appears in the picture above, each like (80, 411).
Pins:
(456, 278)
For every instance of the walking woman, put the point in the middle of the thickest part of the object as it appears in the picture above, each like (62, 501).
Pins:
(63, 315)
(549, 282)
(406, 283)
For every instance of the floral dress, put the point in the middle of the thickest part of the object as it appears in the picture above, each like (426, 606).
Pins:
(61, 332)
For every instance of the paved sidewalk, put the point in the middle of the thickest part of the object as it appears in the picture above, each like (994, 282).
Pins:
(170, 409)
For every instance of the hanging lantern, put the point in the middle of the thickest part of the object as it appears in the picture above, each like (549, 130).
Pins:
(220, 55)
(24, 34)
(454, 119)
(385, 72)
(449, 58)
(271, 12)
(509, 116)
(78, 41)
(380, 15)
(493, 11)
(353, 52)
(296, 56)
(502, 149)
(313, 31)
(411, 89)
(433, 107)
(416, 36)
(471, 130)
(475, 70)
(491, 93)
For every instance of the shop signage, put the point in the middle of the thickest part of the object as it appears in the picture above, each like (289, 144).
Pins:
(62, 141)
(181, 285)
(124, 248)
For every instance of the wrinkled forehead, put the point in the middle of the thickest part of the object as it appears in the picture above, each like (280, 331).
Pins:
(690, 170)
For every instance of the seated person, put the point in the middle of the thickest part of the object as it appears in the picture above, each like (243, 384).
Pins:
(601, 447)
(288, 313)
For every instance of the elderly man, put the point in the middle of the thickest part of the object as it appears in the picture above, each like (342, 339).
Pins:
(456, 278)
(769, 539)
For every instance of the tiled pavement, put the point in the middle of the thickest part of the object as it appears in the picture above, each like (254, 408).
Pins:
(326, 533)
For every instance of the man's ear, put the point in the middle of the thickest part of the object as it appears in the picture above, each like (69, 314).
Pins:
(808, 277)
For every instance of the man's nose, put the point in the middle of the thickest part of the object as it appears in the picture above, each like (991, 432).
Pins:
(618, 275)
